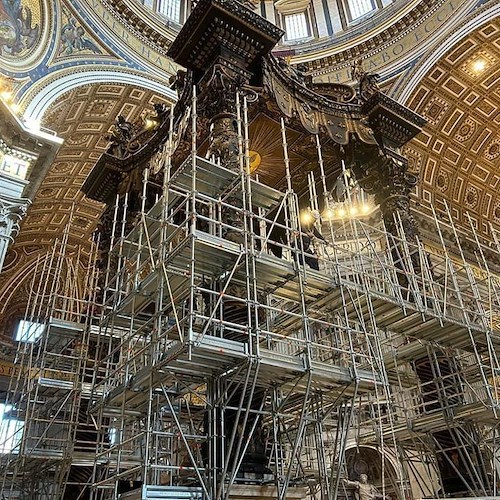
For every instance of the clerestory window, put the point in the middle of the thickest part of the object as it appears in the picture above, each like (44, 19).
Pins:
(359, 8)
(170, 9)
(296, 26)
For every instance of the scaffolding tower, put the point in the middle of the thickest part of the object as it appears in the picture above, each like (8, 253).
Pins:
(239, 348)
(47, 446)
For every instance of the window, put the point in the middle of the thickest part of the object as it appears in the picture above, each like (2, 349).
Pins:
(359, 8)
(10, 430)
(296, 26)
(28, 331)
(171, 9)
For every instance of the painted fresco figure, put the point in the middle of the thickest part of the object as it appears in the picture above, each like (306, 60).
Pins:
(16, 31)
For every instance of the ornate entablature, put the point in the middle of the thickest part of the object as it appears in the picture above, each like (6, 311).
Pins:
(218, 25)
(26, 153)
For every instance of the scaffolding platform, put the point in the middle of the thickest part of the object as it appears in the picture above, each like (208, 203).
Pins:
(395, 309)
(212, 356)
(217, 182)
(423, 424)
(229, 322)
(155, 492)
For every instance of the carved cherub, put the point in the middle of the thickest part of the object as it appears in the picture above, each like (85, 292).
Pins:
(368, 82)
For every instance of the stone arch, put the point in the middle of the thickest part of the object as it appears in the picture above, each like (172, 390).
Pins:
(368, 460)
(80, 110)
(44, 94)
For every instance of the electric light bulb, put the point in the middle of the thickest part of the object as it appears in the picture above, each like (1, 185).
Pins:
(365, 208)
(306, 217)
(328, 214)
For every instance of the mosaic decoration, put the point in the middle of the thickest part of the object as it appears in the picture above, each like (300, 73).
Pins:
(19, 26)
(74, 39)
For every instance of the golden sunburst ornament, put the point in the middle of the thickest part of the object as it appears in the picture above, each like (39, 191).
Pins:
(254, 161)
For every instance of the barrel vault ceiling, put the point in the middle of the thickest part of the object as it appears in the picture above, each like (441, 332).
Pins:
(458, 153)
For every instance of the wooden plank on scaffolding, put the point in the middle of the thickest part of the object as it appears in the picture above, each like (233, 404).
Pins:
(158, 492)
(211, 179)
(477, 412)
(268, 492)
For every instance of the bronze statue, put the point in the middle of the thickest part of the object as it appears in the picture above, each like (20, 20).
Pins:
(120, 136)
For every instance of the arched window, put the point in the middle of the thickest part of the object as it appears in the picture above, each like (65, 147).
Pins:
(358, 8)
(170, 9)
(296, 26)
(174, 10)
(294, 17)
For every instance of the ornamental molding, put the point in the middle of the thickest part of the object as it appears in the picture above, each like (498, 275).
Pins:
(141, 22)
(287, 7)
(12, 211)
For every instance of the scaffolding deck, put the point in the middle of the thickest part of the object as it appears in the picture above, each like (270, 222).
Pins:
(216, 182)
(211, 356)
(215, 256)
(425, 424)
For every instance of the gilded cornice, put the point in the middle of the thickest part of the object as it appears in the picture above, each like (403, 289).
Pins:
(134, 34)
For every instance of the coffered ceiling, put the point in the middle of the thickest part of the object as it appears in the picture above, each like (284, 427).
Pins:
(458, 153)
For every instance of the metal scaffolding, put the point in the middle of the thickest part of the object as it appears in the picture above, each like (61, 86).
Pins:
(444, 379)
(238, 347)
(241, 351)
(45, 446)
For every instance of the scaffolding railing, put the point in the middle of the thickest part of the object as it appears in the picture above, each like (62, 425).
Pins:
(52, 378)
(227, 322)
